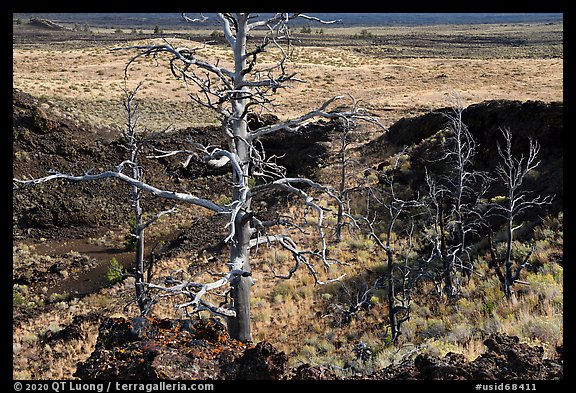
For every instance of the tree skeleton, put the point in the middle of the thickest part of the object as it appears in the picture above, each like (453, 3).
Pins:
(233, 94)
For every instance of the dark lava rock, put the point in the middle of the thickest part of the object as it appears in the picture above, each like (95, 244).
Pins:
(44, 24)
(148, 348)
(536, 119)
(505, 359)
(45, 139)
(71, 331)
(263, 362)
(317, 372)
(423, 136)
(301, 151)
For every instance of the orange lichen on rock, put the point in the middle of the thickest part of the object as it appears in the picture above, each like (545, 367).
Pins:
(149, 348)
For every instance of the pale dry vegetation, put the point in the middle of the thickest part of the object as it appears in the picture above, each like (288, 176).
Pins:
(85, 81)
(435, 327)
(294, 315)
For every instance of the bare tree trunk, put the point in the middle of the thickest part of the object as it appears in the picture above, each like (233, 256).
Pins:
(340, 214)
(239, 326)
(508, 280)
(394, 326)
(447, 261)
(141, 296)
(342, 189)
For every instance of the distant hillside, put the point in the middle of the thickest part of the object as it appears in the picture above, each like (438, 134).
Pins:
(44, 24)
(347, 19)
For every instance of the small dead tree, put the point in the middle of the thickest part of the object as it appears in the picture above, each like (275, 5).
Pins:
(342, 313)
(397, 279)
(345, 161)
(134, 142)
(437, 238)
(512, 171)
(455, 196)
(234, 92)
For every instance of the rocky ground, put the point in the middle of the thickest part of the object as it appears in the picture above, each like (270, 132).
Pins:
(145, 348)
(179, 349)
(64, 234)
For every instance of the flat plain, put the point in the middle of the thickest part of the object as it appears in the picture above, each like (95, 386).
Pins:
(396, 71)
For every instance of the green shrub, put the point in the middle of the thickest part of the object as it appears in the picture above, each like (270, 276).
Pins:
(18, 298)
(460, 334)
(361, 243)
(129, 238)
(489, 308)
(545, 287)
(440, 348)
(468, 309)
(364, 34)
(115, 272)
(223, 200)
(130, 242)
(543, 328)
(283, 288)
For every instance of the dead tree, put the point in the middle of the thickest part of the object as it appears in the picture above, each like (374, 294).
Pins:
(345, 161)
(397, 278)
(455, 195)
(342, 313)
(135, 141)
(511, 172)
(234, 93)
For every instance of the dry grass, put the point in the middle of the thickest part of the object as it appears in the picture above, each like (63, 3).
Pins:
(87, 81)
(294, 315)
(86, 84)
(35, 358)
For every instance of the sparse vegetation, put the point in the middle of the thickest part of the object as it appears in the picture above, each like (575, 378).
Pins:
(294, 315)
(364, 34)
